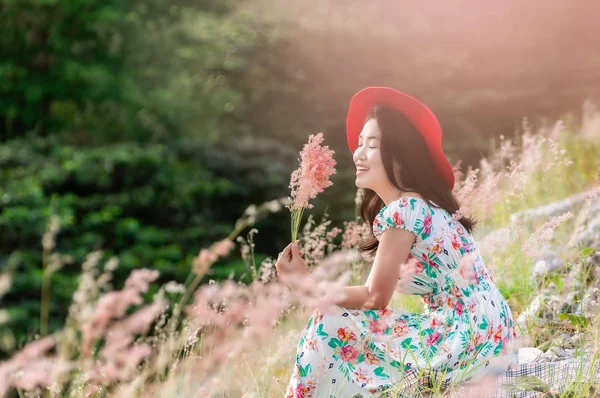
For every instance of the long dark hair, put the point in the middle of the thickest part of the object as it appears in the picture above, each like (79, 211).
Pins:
(402, 142)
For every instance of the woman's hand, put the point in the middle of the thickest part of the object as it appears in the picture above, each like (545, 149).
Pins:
(289, 261)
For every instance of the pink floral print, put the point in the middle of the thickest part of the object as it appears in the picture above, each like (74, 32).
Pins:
(466, 321)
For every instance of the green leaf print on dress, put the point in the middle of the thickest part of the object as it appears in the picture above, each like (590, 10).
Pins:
(462, 327)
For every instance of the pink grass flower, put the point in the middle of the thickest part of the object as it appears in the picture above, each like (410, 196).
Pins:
(113, 305)
(354, 234)
(207, 257)
(311, 178)
(535, 244)
(316, 167)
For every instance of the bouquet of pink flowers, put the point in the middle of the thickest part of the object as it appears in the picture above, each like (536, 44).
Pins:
(311, 178)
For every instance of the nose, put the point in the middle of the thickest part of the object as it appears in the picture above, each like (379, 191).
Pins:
(358, 154)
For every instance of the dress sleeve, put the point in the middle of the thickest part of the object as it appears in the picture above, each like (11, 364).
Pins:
(411, 214)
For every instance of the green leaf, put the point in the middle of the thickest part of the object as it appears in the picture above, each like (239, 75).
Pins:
(528, 383)
(380, 371)
(575, 319)
(587, 251)
(498, 348)
(406, 344)
(305, 370)
(483, 325)
(320, 331)
(333, 343)
(396, 364)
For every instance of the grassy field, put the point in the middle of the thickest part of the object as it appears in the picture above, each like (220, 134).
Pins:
(233, 340)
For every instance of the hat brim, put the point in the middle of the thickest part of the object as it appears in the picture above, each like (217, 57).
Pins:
(416, 112)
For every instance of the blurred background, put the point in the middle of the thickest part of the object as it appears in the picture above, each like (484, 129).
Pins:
(149, 126)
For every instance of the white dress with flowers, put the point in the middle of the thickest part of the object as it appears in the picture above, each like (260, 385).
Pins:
(465, 324)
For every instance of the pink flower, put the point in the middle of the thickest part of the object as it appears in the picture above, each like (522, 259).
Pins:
(429, 261)
(433, 338)
(34, 350)
(349, 353)
(222, 247)
(378, 327)
(460, 308)
(114, 305)
(345, 334)
(400, 329)
(354, 233)
(140, 279)
(498, 335)
(316, 166)
(427, 225)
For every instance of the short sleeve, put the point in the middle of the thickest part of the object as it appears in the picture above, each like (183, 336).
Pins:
(411, 214)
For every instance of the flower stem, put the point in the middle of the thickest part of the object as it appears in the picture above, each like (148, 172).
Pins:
(296, 218)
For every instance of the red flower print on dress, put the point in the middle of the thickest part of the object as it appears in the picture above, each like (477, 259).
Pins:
(472, 307)
(455, 244)
(505, 345)
(427, 225)
(400, 329)
(460, 308)
(397, 218)
(430, 302)
(349, 354)
(479, 338)
(371, 358)
(305, 391)
(456, 291)
(345, 334)
(361, 376)
(378, 327)
(433, 338)
(384, 312)
(429, 261)
(311, 344)
(498, 335)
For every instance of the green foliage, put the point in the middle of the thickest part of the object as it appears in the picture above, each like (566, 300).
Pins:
(123, 118)
(152, 206)
(107, 71)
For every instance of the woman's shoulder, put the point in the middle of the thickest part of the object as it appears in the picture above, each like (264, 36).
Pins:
(407, 212)
(409, 203)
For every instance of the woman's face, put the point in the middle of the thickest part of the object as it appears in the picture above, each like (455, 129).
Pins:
(368, 156)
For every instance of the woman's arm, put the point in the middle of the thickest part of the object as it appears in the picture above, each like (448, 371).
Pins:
(393, 250)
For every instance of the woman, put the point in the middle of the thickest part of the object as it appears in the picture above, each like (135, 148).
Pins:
(423, 246)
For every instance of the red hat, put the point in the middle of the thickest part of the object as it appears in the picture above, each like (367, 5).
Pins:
(418, 114)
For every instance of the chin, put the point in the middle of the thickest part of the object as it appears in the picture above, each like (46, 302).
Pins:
(361, 186)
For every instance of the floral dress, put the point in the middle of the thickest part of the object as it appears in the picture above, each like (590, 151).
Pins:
(465, 324)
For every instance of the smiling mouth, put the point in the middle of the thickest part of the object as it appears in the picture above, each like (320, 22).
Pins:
(361, 171)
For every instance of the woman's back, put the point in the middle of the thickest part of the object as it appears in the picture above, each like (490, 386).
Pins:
(446, 268)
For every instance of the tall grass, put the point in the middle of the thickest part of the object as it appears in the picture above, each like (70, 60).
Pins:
(230, 339)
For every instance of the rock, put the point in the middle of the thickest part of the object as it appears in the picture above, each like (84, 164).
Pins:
(559, 207)
(548, 356)
(550, 263)
(529, 354)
